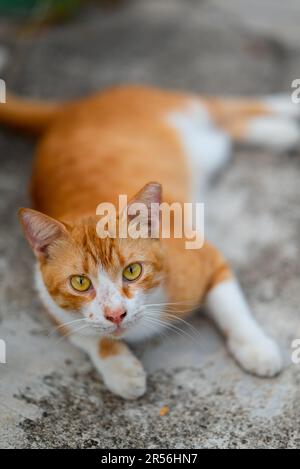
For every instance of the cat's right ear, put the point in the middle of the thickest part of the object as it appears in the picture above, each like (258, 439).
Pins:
(40, 230)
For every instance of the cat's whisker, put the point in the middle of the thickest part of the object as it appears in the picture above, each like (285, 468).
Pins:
(158, 332)
(191, 327)
(185, 323)
(158, 310)
(169, 328)
(172, 327)
(73, 332)
(165, 325)
(170, 308)
(170, 313)
(65, 325)
(164, 311)
(176, 318)
(191, 302)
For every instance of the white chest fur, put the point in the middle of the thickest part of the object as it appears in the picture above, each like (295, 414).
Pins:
(207, 148)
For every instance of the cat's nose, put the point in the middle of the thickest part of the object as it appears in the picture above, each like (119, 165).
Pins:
(115, 316)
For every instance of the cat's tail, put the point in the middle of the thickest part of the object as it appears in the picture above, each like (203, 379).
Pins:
(271, 121)
(32, 116)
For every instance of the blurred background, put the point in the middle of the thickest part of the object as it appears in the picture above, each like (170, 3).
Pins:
(208, 46)
(50, 394)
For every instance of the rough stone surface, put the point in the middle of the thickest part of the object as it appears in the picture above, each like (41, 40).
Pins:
(50, 394)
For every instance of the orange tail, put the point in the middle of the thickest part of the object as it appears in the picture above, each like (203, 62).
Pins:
(31, 116)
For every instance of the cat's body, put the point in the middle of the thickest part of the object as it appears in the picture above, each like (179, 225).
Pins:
(114, 143)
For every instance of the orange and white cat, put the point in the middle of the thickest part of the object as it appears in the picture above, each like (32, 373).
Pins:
(106, 292)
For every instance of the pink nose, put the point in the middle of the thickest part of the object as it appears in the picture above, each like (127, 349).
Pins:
(115, 316)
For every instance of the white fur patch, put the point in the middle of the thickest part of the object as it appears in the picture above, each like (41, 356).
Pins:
(123, 374)
(207, 148)
(276, 132)
(252, 349)
(107, 295)
(282, 104)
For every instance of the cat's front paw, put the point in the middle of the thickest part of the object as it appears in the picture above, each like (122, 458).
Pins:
(125, 377)
(261, 357)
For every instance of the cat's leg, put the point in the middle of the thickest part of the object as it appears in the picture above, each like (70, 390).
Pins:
(122, 372)
(278, 133)
(249, 345)
(247, 342)
(266, 121)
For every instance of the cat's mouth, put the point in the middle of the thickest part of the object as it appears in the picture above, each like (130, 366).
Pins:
(123, 328)
(119, 331)
(115, 331)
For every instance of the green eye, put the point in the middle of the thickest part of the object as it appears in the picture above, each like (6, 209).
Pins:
(132, 272)
(80, 283)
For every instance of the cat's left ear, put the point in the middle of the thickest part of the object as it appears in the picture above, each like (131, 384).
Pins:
(40, 230)
(148, 197)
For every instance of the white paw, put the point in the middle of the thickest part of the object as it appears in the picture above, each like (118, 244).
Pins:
(125, 377)
(261, 356)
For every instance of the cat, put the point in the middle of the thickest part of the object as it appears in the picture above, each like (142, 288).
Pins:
(106, 292)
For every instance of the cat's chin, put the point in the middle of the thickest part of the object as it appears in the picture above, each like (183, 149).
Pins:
(124, 331)
(141, 331)
(119, 332)
(132, 333)
(116, 333)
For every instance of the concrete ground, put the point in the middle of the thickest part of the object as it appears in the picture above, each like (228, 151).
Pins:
(50, 394)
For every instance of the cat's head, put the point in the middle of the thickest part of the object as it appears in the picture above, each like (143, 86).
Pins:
(106, 284)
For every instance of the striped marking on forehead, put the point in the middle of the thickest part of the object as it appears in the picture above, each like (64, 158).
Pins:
(104, 252)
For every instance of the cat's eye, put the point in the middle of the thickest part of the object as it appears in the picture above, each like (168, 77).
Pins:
(132, 272)
(80, 283)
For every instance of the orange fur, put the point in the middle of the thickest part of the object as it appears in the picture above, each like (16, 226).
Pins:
(91, 151)
(103, 146)
(118, 136)
(224, 110)
(29, 116)
(110, 348)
